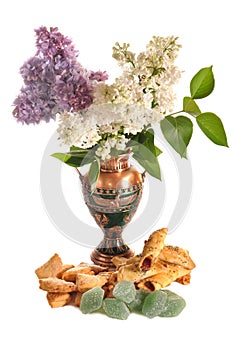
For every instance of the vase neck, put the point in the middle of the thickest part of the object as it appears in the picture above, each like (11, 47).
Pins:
(115, 164)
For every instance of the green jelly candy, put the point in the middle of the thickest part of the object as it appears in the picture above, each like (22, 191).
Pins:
(154, 303)
(173, 306)
(125, 291)
(92, 300)
(136, 304)
(115, 308)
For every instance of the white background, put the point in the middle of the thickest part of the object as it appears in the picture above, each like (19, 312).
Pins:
(28, 238)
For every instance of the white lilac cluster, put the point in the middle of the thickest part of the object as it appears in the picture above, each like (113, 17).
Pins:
(146, 79)
(106, 146)
(140, 96)
(85, 128)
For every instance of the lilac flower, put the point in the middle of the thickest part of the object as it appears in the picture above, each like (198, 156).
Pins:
(54, 80)
(75, 94)
(51, 43)
(33, 69)
(98, 76)
(35, 103)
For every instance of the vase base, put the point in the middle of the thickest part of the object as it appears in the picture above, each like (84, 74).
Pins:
(105, 260)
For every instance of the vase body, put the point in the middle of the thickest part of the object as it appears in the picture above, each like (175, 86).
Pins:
(113, 204)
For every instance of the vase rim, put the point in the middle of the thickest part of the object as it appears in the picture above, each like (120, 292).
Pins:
(116, 163)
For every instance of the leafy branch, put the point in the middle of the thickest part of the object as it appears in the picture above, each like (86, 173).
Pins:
(178, 130)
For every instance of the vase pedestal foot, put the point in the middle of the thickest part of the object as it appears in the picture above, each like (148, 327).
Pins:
(105, 260)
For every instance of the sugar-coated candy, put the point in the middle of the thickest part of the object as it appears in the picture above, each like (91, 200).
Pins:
(115, 308)
(174, 305)
(154, 303)
(125, 291)
(92, 300)
(136, 304)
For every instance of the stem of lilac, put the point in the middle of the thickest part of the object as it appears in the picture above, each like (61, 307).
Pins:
(170, 115)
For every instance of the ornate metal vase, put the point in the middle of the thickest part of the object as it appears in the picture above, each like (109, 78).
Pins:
(113, 204)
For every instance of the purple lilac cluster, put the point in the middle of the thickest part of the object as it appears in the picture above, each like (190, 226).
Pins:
(54, 81)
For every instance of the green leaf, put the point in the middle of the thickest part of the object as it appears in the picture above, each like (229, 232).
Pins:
(157, 151)
(149, 142)
(68, 159)
(79, 154)
(178, 132)
(146, 138)
(213, 128)
(87, 157)
(75, 148)
(93, 173)
(190, 106)
(145, 152)
(147, 160)
(202, 84)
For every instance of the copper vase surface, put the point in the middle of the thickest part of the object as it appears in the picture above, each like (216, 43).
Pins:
(113, 204)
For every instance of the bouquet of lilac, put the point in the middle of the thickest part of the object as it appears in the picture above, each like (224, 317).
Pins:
(97, 120)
